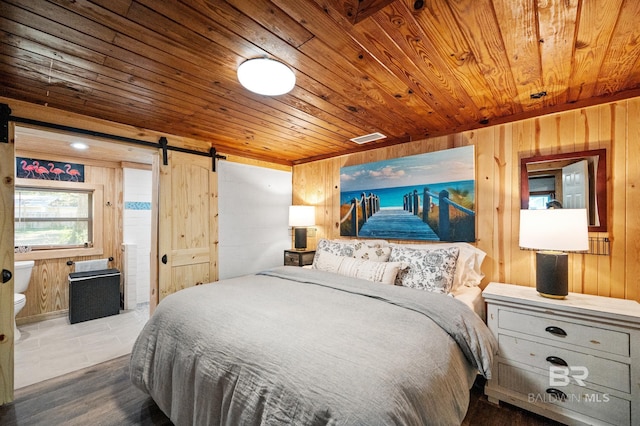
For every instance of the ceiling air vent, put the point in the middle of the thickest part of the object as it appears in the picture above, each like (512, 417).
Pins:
(368, 138)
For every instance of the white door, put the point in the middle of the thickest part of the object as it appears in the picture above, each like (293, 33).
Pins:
(575, 185)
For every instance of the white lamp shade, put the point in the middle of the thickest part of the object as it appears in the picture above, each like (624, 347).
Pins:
(300, 216)
(554, 229)
(266, 77)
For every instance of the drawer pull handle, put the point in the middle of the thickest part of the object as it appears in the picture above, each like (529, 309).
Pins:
(557, 393)
(555, 360)
(556, 331)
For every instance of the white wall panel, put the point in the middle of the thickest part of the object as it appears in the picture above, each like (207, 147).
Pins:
(137, 225)
(253, 204)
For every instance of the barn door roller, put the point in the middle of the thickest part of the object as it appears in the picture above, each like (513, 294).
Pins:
(5, 113)
(215, 156)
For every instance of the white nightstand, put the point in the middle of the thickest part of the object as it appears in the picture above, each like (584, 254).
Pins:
(575, 360)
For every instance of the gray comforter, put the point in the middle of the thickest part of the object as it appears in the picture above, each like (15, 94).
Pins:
(294, 346)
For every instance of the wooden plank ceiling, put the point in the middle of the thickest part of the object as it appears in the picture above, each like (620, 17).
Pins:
(406, 68)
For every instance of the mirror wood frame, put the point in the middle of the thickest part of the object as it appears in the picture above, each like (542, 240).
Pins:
(600, 184)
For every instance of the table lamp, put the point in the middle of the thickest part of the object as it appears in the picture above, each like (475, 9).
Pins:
(553, 232)
(299, 218)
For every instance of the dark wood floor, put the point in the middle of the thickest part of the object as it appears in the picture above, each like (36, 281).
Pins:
(99, 395)
(482, 412)
(103, 395)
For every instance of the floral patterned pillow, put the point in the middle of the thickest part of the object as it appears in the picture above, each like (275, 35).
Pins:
(338, 248)
(430, 270)
(362, 250)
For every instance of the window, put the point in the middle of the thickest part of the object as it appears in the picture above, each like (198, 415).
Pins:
(58, 219)
(53, 218)
(538, 202)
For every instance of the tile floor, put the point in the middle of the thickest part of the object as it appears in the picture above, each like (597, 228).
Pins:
(54, 347)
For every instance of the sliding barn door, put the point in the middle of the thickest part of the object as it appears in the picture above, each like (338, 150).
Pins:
(187, 223)
(7, 175)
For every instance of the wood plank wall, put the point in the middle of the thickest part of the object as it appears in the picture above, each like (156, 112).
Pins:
(48, 292)
(498, 149)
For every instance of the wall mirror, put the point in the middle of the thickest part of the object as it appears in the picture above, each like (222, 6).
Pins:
(576, 180)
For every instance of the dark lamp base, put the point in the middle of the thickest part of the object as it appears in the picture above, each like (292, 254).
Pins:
(300, 238)
(552, 274)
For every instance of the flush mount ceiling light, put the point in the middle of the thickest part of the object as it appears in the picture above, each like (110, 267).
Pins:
(266, 77)
(79, 145)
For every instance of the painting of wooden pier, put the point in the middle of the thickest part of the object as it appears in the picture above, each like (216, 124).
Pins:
(402, 224)
(423, 197)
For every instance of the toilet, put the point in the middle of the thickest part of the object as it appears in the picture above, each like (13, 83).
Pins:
(22, 275)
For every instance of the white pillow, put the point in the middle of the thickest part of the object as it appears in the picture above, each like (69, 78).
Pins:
(432, 270)
(382, 272)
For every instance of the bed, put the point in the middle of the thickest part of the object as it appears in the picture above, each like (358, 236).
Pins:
(297, 346)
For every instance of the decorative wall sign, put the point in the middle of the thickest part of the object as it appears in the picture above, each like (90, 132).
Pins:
(31, 168)
(421, 197)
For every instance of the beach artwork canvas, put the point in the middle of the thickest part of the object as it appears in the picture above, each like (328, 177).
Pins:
(420, 197)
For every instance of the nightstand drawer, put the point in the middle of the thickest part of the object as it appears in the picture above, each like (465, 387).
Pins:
(298, 258)
(536, 388)
(549, 327)
(601, 371)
